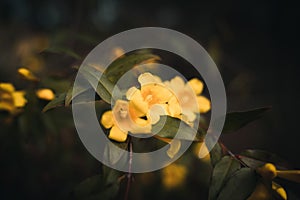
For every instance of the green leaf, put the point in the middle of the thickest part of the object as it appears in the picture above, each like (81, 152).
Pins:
(168, 127)
(96, 188)
(63, 50)
(103, 87)
(239, 186)
(123, 64)
(237, 120)
(216, 154)
(58, 101)
(265, 157)
(79, 90)
(222, 171)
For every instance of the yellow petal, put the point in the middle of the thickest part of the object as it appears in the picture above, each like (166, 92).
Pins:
(201, 151)
(117, 134)
(196, 85)
(118, 52)
(280, 191)
(203, 104)
(156, 94)
(174, 148)
(27, 74)
(19, 99)
(8, 106)
(174, 107)
(137, 104)
(188, 116)
(45, 94)
(155, 112)
(148, 78)
(107, 119)
(8, 87)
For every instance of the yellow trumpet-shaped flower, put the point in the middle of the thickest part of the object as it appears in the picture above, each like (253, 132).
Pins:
(10, 99)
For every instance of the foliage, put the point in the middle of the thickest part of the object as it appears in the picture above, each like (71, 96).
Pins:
(233, 176)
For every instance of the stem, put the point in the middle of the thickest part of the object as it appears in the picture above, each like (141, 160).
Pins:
(233, 155)
(129, 175)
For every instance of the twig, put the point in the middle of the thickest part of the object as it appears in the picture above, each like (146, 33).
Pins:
(129, 175)
(233, 155)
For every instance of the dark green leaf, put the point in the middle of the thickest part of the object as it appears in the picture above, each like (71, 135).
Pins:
(239, 186)
(103, 87)
(168, 127)
(63, 50)
(265, 156)
(96, 188)
(237, 120)
(222, 171)
(58, 101)
(110, 175)
(123, 64)
(216, 154)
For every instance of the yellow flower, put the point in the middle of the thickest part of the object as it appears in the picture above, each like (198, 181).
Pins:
(188, 95)
(122, 120)
(174, 176)
(26, 74)
(153, 99)
(45, 94)
(11, 100)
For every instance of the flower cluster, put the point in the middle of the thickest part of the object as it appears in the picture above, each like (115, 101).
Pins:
(154, 98)
(10, 99)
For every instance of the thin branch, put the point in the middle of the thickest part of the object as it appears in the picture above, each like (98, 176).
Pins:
(129, 175)
(233, 155)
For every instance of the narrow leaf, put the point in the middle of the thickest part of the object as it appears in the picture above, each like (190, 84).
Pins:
(265, 157)
(237, 120)
(63, 50)
(222, 171)
(120, 66)
(240, 185)
(103, 87)
(58, 101)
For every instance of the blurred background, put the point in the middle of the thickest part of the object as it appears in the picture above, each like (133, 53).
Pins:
(254, 43)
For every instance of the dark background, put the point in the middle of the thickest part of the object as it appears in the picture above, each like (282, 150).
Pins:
(254, 43)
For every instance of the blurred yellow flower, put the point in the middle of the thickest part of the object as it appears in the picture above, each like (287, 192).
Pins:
(201, 151)
(26, 74)
(11, 100)
(45, 94)
(174, 176)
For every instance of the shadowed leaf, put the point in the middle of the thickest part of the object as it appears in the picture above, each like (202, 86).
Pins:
(237, 120)
(239, 186)
(123, 64)
(265, 157)
(58, 101)
(222, 171)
